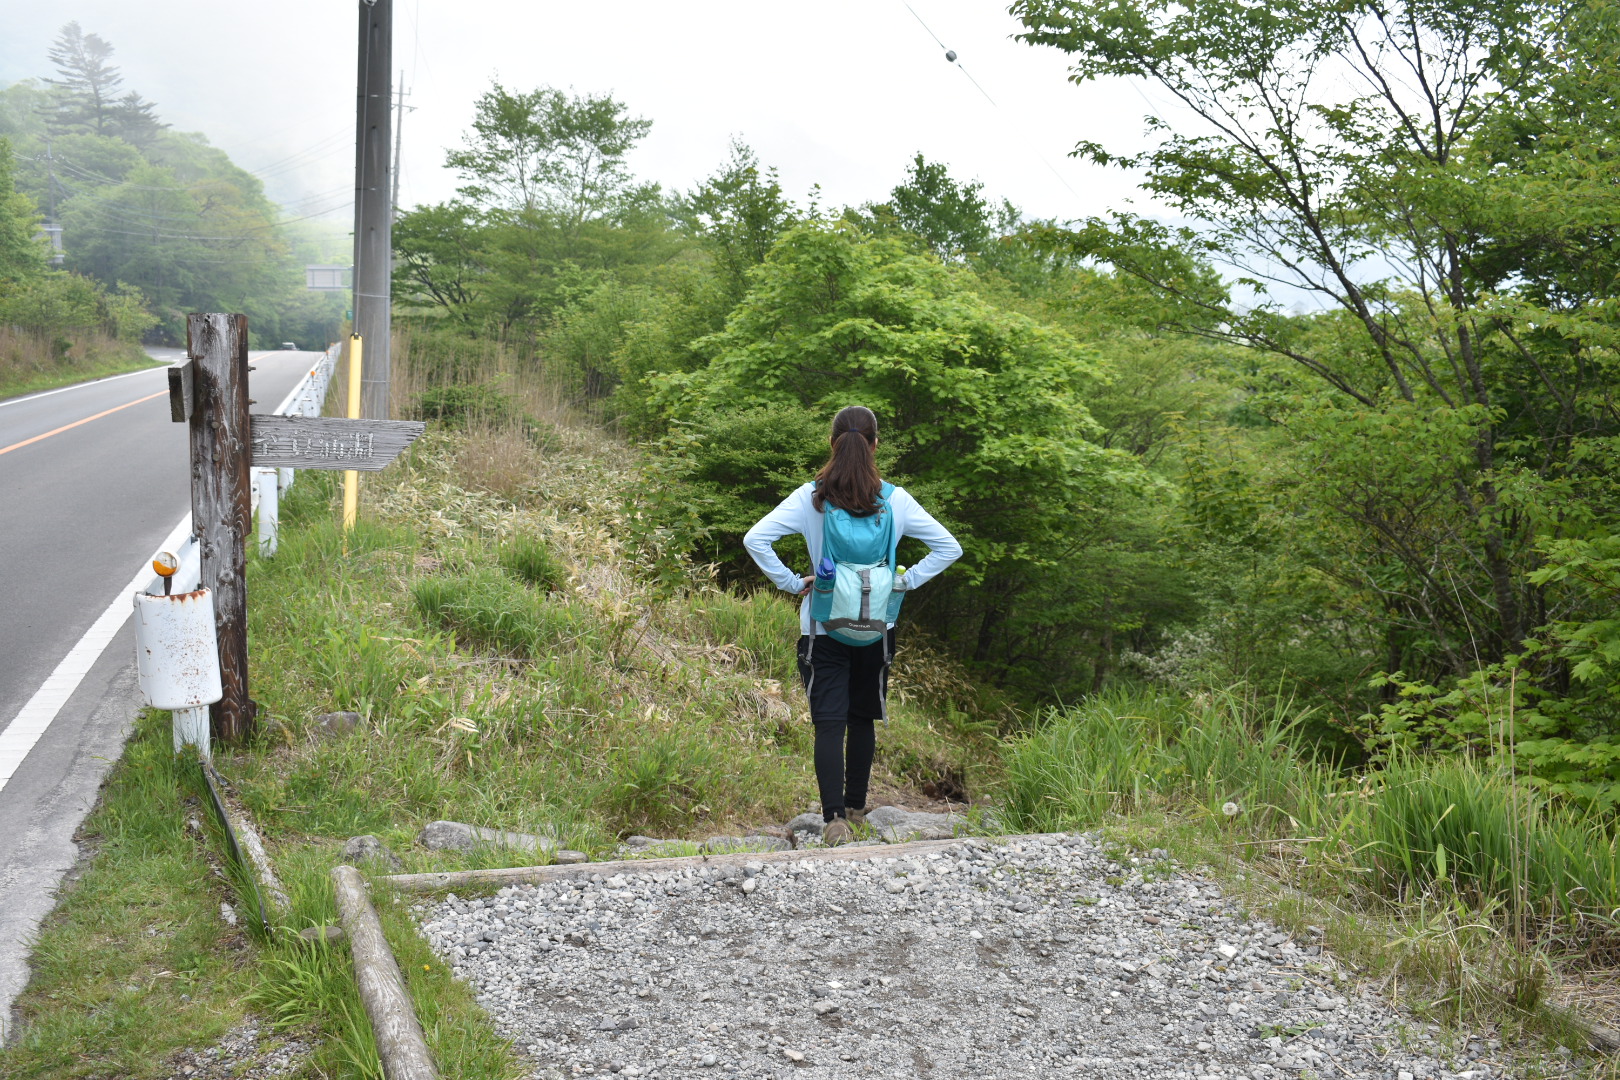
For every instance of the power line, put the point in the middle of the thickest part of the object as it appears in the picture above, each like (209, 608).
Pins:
(126, 214)
(300, 158)
(950, 56)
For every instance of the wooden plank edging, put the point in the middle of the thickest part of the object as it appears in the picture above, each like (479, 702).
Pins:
(518, 875)
(400, 1043)
(258, 856)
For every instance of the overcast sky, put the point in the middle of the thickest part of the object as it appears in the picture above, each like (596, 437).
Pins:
(832, 92)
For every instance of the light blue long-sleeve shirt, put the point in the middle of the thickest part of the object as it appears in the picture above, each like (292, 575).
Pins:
(797, 514)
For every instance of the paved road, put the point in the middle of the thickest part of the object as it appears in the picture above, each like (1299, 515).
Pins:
(92, 479)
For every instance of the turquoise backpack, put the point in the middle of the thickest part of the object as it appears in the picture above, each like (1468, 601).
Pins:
(854, 595)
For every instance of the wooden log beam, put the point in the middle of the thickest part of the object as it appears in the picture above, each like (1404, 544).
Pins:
(222, 500)
(263, 868)
(518, 875)
(400, 1043)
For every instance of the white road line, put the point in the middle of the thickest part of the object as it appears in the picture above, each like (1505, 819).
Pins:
(19, 737)
(82, 385)
(108, 379)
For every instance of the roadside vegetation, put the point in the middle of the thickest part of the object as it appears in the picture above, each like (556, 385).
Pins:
(56, 327)
(152, 223)
(1318, 596)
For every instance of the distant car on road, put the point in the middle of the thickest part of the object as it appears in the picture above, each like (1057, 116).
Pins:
(290, 346)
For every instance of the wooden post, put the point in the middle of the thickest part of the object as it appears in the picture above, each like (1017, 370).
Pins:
(400, 1043)
(222, 499)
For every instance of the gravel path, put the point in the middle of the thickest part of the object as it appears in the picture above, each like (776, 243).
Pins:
(989, 960)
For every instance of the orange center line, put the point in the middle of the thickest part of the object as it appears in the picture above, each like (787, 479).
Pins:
(76, 423)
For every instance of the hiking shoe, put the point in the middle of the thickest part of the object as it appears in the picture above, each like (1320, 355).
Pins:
(857, 818)
(837, 832)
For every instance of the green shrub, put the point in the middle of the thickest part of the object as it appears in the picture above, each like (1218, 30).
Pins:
(1470, 825)
(456, 406)
(660, 783)
(1121, 751)
(1417, 824)
(528, 558)
(492, 611)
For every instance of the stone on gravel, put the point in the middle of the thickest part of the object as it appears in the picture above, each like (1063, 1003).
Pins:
(1019, 959)
(458, 836)
(275, 730)
(653, 847)
(364, 849)
(336, 725)
(809, 824)
(898, 825)
(328, 934)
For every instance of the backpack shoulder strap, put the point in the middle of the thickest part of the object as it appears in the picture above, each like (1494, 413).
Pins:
(886, 493)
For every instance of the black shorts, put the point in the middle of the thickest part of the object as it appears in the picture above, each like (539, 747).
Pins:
(845, 682)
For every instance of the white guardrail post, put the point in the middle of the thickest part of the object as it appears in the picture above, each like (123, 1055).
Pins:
(305, 399)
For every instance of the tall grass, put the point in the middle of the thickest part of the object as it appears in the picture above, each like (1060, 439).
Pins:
(1464, 822)
(1413, 826)
(1121, 751)
(531, 560)
(492, 611)
(472, 383)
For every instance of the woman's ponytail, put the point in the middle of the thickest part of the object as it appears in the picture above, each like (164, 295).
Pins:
(850, 479)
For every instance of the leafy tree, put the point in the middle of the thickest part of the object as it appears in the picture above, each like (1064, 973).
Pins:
(550, 152)
(952, 218)
(548, 207)
(983, 416)
(21, 253)
(740, 212)
(440, 263)
(1379, 192)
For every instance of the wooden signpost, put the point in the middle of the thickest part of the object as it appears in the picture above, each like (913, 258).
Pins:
(325, 442)
(210, 393)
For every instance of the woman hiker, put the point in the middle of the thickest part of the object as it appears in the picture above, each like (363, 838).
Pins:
(847, 684)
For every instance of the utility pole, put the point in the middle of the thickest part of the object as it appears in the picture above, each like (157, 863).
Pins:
(373, 212)
(399, 127)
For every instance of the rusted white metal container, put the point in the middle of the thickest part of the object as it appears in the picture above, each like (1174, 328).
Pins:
(176, 657)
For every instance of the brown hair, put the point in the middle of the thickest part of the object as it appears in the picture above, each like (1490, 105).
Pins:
(850, 479)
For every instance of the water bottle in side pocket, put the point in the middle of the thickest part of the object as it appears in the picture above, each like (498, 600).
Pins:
(896, 596)
(821, 597)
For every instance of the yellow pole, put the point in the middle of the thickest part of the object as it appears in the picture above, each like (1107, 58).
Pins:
(351, 478)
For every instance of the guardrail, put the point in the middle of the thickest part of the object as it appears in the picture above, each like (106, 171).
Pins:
(308, 398)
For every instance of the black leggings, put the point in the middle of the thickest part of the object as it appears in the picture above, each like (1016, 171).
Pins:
(846, 685)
